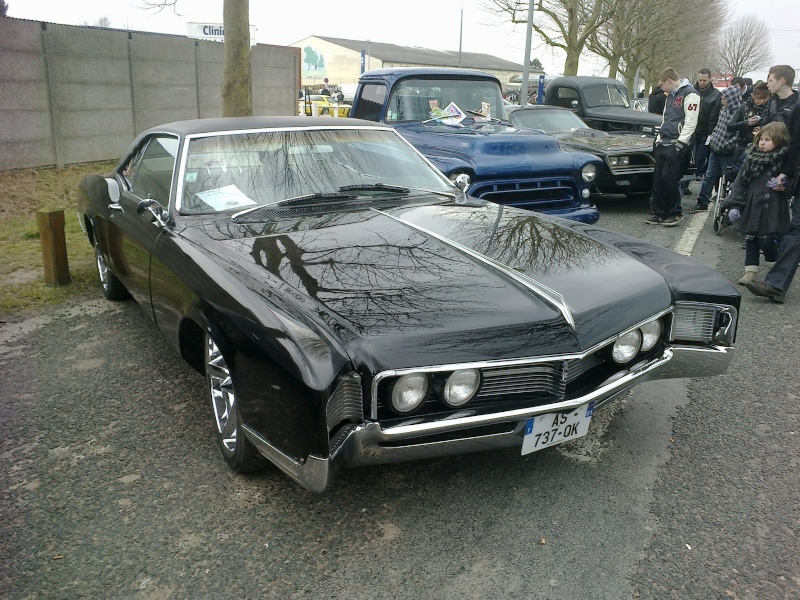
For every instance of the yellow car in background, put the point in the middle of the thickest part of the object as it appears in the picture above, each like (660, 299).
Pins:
(325, 106)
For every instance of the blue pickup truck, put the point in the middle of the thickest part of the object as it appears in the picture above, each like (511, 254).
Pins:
(457, 119)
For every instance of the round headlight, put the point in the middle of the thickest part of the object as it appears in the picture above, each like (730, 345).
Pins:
(651, 332)
(461, 387)
(588, 172)
(409, 392)
(626, 347)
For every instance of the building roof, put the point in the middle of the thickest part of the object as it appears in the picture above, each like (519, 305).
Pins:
(425, 56)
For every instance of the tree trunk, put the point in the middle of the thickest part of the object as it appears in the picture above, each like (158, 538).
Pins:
(571, 62)
(237, 90)
(613, 67)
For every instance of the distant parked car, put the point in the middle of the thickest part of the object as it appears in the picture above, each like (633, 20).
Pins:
(628, 160)
(349, 305)
(326, 105)
(603, 103)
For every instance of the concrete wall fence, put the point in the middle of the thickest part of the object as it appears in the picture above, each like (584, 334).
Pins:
(80, 94)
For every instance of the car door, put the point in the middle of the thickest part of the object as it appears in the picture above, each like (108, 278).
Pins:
(148, 176)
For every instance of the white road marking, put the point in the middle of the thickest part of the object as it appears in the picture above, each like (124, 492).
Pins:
(691, 234)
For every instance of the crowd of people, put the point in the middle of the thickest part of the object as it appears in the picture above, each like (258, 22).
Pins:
(749, 133)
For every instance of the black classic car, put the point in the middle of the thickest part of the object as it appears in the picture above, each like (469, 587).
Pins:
(603, 103)
(349, 305)
(628, 161)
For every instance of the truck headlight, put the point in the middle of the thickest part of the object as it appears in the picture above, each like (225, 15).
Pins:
(588, 173)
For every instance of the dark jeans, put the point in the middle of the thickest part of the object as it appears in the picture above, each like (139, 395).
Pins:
(717, 165)
(780, 276)
(701, 152)
(752, 248)
(668, 171)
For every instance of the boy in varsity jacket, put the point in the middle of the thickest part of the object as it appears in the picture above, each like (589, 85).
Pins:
(672, 144)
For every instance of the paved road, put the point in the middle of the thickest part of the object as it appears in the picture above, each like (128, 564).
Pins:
(112, 487)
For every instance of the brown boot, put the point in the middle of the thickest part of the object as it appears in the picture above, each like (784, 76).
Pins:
(750, 272)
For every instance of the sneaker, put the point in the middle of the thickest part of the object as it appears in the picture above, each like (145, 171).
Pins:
(759, 288)
(654, 220)
(698, 208)
(672, 220)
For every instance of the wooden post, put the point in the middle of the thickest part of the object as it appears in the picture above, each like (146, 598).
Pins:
(54, 246)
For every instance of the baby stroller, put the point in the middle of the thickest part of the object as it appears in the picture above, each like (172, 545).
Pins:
(721, 219)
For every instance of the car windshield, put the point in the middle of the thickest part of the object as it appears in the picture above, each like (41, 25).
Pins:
(549, 121)
(419, 99)
(605, 95)
(239, 171)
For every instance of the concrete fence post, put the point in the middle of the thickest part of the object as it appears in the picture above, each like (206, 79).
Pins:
(54, 246)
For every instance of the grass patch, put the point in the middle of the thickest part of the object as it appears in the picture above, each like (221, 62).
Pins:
(24, 191)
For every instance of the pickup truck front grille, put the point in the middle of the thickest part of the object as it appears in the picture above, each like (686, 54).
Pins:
(531, 194)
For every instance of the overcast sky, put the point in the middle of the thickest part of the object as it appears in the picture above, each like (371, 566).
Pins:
(407, 22)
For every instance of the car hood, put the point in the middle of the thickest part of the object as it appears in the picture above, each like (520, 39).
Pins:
(625, 115)
(491, 151)
(419, 284)
(604, 143)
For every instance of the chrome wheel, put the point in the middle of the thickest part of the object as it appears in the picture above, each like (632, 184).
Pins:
(112, 287)
(223, 398)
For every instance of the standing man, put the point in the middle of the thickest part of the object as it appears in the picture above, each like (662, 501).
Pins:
(710, 105)
(784, 106)
(672, 145)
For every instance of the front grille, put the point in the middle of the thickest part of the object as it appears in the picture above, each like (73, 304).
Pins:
(537, 193)
(543, 379)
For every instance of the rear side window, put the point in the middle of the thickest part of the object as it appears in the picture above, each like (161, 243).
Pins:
(371, 102)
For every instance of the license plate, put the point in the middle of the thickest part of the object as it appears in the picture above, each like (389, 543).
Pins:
(549, 429)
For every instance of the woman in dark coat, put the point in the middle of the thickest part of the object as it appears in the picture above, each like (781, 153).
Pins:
(743, 120)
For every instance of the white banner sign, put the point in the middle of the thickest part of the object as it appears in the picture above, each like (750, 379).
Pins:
(213, 32)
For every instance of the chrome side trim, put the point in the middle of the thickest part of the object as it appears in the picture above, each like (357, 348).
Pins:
(548, 294)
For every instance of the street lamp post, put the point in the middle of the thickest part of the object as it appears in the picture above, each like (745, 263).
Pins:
(526, 66)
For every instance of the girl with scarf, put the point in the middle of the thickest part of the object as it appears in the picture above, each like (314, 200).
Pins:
(757, 209)
(723, 144)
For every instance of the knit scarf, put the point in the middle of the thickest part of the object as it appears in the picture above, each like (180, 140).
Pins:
(723, 141)
(757, 162)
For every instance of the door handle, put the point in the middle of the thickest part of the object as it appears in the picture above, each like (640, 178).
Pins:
(115, 206)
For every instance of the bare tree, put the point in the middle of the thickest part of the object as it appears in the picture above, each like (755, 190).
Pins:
(3, 8)
(237, 78)
(564, 24)
(744, 46)
(644, 36)
(103, 22)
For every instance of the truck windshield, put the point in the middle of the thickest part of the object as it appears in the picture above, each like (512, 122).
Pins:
(605, 95)
(414, 99)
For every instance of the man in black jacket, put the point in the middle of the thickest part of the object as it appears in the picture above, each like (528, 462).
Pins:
(784, 106)
(710, 105)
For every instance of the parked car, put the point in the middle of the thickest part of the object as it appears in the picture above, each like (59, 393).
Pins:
(603, 103)
(326, 105)
(349, 305)
(457, 119)
(628, 160)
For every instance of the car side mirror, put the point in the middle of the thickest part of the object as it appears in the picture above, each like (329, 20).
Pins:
(155, 209)
(574, 105)
(462, 182)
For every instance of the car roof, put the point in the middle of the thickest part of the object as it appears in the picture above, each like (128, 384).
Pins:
(196, 126)
(397, 73)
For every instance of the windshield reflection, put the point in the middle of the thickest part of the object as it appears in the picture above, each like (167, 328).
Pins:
(235, 172)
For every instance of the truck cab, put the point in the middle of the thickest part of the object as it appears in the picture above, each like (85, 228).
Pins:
(457, 119)
(603, 103)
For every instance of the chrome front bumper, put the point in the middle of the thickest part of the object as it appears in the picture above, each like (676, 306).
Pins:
(369, 443)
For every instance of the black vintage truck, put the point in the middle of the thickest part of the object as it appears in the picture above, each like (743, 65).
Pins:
(602, 103)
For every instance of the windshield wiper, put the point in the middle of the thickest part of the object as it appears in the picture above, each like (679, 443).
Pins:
(297, 200)
(383, 187)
